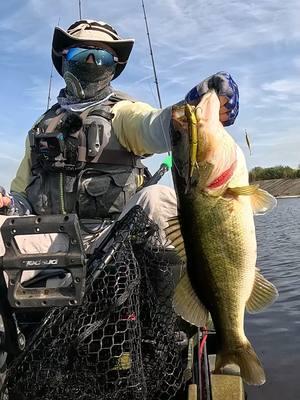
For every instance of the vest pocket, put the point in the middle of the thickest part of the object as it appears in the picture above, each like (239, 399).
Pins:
(105, 195)
(38, 196)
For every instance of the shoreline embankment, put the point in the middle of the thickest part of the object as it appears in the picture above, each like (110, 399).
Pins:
(280, 188)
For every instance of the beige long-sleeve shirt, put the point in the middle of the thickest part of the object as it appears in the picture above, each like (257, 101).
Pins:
(139, 127)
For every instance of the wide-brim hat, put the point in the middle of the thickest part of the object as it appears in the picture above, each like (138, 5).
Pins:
(90, 33)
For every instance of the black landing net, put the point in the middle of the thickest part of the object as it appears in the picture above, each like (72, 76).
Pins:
(122, 342)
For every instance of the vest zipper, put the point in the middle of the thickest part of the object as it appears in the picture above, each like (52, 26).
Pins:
(61, 193)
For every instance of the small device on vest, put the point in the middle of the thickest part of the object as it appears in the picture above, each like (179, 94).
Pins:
(59, 150)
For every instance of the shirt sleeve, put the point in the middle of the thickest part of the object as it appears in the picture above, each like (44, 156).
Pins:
(141, 128)
(22, 178)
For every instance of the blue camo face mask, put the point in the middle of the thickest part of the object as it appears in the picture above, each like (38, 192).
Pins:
(86, 80)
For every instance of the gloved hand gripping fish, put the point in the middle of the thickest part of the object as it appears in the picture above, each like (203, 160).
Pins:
(215, 233)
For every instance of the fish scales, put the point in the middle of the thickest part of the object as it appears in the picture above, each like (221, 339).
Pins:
(222, 260)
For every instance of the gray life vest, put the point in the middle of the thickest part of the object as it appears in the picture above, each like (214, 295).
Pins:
(86, 171)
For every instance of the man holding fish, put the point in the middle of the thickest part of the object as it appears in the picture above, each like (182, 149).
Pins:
(84, 156)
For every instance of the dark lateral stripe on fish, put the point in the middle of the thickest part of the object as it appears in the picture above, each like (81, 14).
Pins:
(224, 177)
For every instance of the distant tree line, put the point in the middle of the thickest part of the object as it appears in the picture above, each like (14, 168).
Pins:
(278, 172)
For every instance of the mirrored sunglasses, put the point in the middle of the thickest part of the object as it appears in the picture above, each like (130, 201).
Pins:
(101, 56)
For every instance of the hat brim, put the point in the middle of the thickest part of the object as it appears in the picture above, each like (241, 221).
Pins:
(62, 40)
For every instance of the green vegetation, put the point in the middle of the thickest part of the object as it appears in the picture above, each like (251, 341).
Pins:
(278, 172)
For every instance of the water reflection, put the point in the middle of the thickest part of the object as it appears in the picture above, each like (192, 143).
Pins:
(275, 333)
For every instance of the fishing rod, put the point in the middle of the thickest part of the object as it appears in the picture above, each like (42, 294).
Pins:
(79, 5)
(50, 86)
(166, 165)
(50, 79)
(51, 73)
(152, 55)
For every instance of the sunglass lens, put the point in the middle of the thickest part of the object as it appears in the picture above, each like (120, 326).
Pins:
(101, 57)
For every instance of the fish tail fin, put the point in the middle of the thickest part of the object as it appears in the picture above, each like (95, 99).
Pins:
(245, 357)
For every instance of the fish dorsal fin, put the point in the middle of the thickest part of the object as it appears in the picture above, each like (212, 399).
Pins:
(264, 293)
(187, 304)
(261, 201)
(173, 234)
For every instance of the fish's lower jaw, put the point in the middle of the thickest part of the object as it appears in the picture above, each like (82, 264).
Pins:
(245, 357)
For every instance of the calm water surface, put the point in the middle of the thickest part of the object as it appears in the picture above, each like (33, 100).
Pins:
(275, 333)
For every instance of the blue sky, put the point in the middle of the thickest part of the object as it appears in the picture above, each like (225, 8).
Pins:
(256, 41)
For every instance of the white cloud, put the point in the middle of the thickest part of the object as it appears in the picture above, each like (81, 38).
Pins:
(256, 41)
(192, 29)
(284, 86)
(215, 27)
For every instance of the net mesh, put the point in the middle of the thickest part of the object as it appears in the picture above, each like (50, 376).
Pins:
(121, 342)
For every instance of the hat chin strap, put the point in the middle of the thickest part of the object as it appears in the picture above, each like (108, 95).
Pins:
(76, 90)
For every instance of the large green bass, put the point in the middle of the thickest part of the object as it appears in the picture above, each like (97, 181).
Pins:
(215, 233)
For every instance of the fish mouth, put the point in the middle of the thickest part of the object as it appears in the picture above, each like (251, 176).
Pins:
(206, 155)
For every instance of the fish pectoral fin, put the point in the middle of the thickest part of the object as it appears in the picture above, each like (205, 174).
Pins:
(187, 304)
(264, 293)
(173, 234)
(243, 190)
(261, 200)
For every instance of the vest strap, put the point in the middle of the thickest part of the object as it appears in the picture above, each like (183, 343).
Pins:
(119, 157)
(54, 122)
(101, 113)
